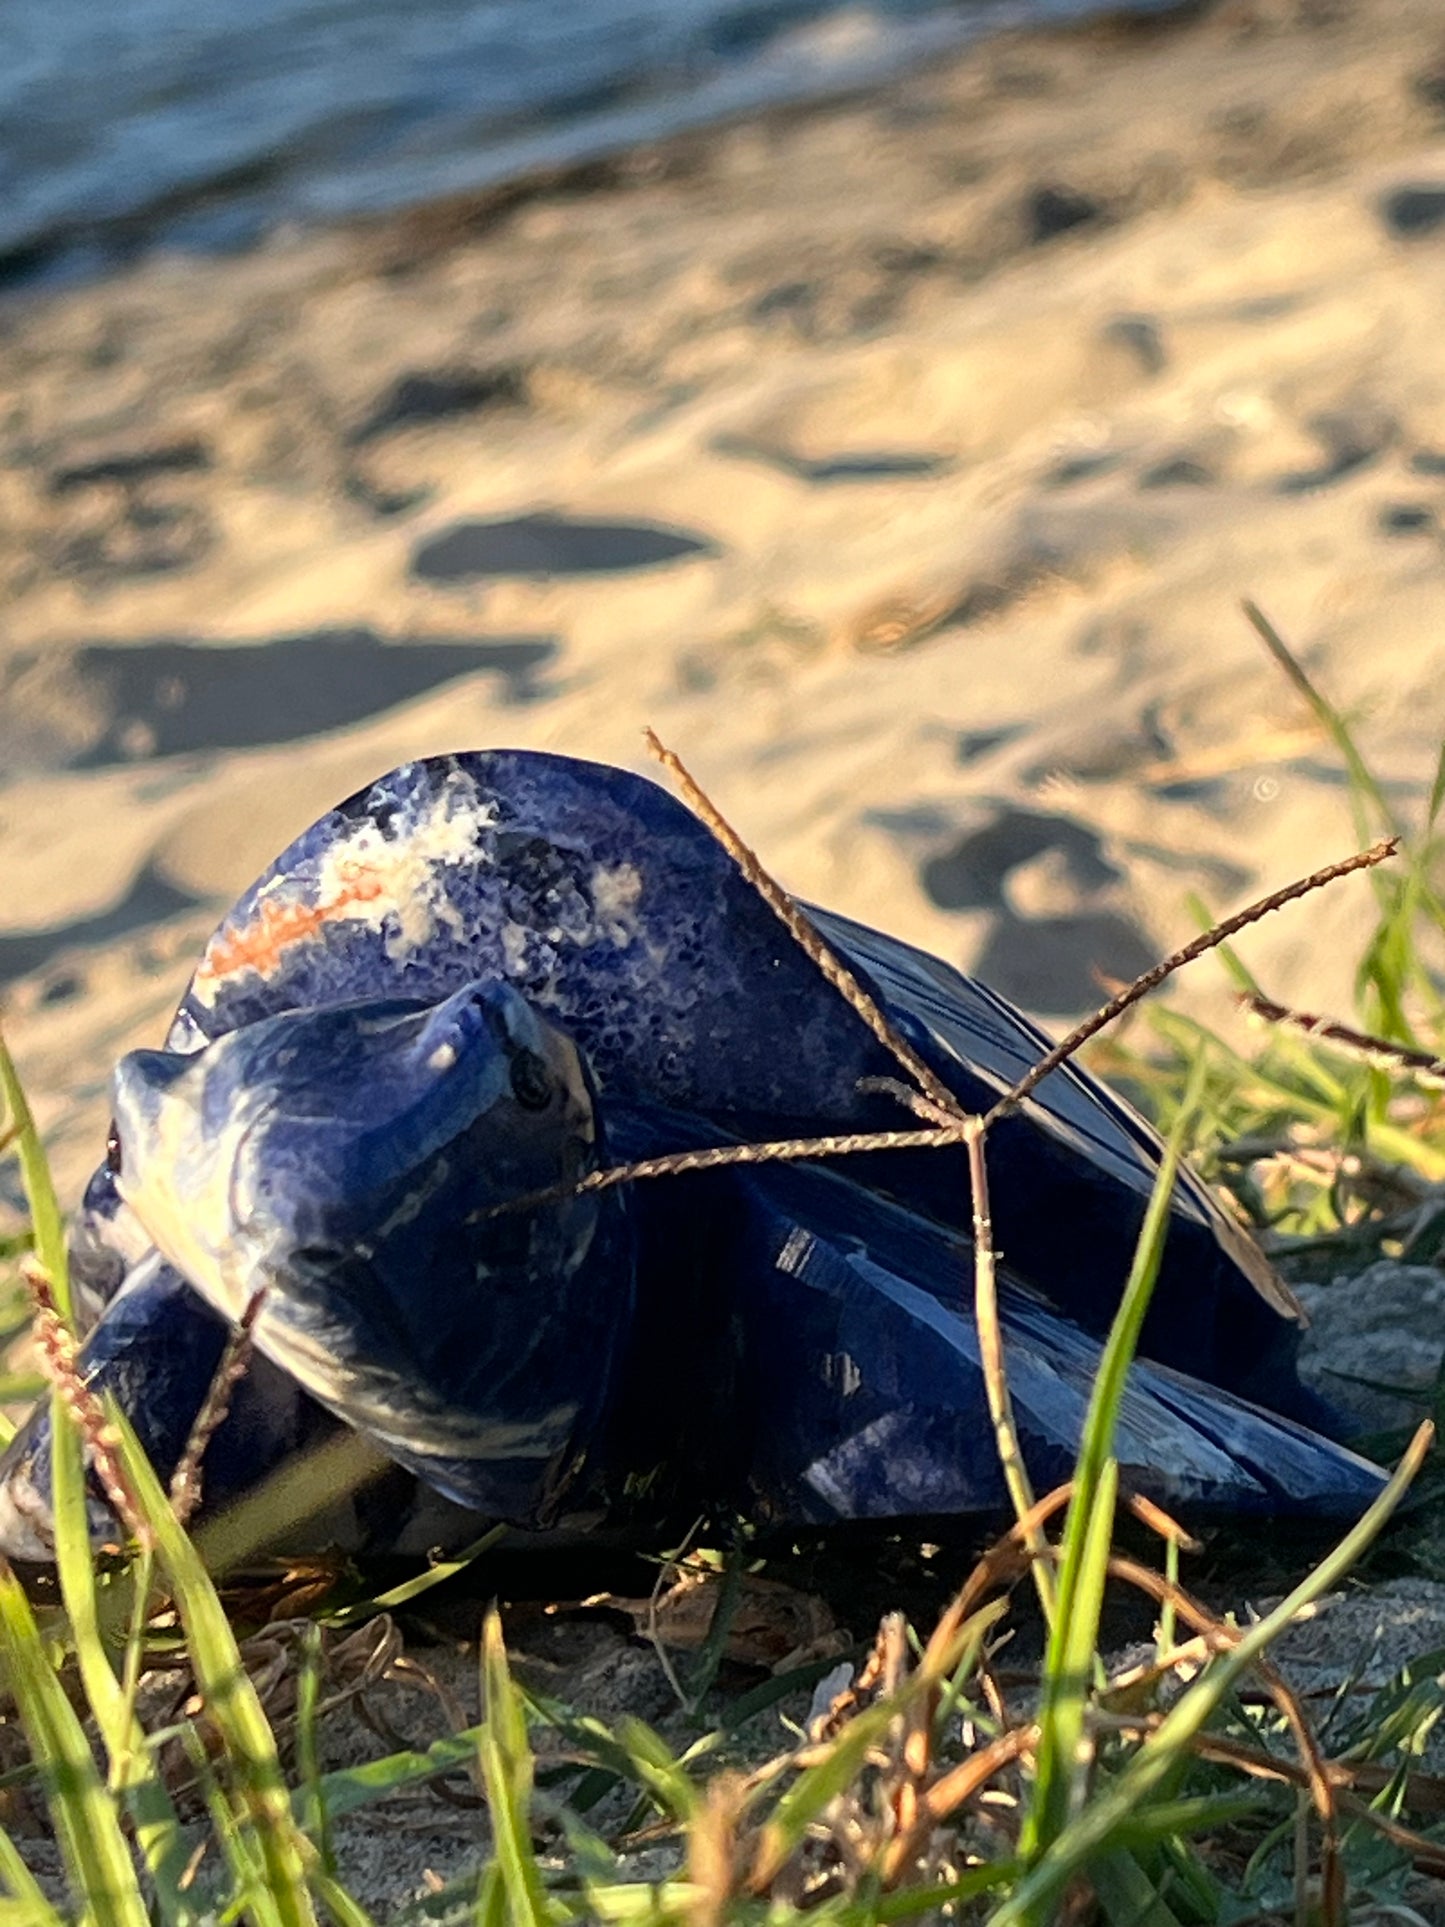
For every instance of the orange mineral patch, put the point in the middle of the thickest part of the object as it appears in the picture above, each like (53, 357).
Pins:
(260, 944)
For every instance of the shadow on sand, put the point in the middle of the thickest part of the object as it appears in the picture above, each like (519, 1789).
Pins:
(552, 545)
(170, 698)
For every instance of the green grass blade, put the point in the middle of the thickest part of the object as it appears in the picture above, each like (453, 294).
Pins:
(231, 1698)
(1197, 1813)
(914, 1901)
(348, 1789)
(648, 1760)
(87, 1823)
(249, 1898)
(668, 1903)
(491, 1907)
(310, 1802)
(1063, 1759)
(634, 1754)
(703, 1676)
(813, 1789)
(343, 1907)
(422, 1582)
(1124, 1892)
(1117, 1806)
(1259, 1086)
(1365, 791)
(1235, 967)
(26, 1903)
(783, 1833)
(47, 1225)
(1437, 793)
(132, 1771)
(506, 1757)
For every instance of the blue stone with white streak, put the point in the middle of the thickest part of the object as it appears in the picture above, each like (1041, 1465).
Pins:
(490, 974)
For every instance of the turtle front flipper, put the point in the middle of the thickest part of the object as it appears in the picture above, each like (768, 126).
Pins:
(155, 1350)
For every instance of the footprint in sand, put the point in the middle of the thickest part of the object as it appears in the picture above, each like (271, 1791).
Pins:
(1349, 439)
(1054, 208)
(1070, 470)
(1407, 518)
(123, 517)
(1183, 470)
(126, 467)
(174, 698)
(542, 546)
(151, 899)
(423, 397)
(1051, 940)
(1141, 336)
(1414, 212)
(864, 465)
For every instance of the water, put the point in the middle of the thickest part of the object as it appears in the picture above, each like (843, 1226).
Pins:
(200, 124)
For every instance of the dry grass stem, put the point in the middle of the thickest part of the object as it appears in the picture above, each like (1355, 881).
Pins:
(1223, 759)
(1206, 941)
(951, 1791)
(805, 933)
(939, 1103)
(1159, 1522)
(1376, 1050)
(995, 1377)
(1428, 1855)
(1317, 1778)
(715, 1157)
(670, 1569)
(185, 1491)
(912, 1817)
(1285, 659)
(61, 1354)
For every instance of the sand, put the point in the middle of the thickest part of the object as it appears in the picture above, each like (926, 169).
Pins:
(903, 461)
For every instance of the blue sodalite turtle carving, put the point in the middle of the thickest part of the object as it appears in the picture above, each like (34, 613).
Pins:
(492, 973)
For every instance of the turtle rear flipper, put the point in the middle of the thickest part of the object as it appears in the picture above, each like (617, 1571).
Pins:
(862, 1391)
(1070, 1172)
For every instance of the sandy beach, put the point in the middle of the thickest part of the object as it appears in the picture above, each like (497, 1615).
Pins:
(901, 460)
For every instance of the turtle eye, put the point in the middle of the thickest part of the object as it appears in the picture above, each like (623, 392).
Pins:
(112, 1152)
(531, 1083)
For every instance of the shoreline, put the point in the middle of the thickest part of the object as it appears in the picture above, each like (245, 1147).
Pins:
(902, 460)
(851, 61)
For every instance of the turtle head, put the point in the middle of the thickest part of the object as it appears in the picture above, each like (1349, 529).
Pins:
(354, 1165)
(323, 1130)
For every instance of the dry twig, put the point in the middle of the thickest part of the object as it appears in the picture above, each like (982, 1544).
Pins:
(806, 934)
(1207, 940)
(1376, 1050)
(61, 1353)
(185, 1491)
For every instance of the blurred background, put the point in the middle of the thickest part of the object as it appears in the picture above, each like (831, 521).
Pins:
(166, 123)
(888, 404)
